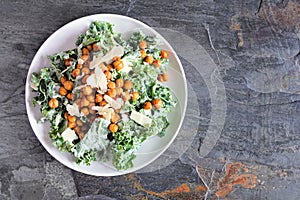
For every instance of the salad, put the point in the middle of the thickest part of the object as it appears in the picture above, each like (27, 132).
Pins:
(105, 97)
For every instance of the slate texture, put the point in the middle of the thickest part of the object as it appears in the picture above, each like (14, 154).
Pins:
(255, 49)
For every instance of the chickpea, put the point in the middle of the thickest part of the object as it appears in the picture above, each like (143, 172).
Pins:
(66, 115)
(157, 63)
(78, 102)
(109, 67)
(114, 117)
(71, 124)
(85, 51)
(143, 53)
(79, 122)
(62, 91)
(160, 78)
(118, 64)
(67, 62)
(86, 70)
(108, 74)
(96, 47)
(76, 129)
(111, 84)
(103, 103)
(91, 98)
(71, 118)
(68, 85)
(116, 58)
(85, 111)
(53, 103)
(147, 105)
(119, 91)
(126, 96)
(119, 82)
(75, 73)
(143, 44)
(157, 103)
(98, 98)
(149, 59)
(84, 58)
(165, 77)
(134, 95)
(113, 128)
(63, 79)
(84, 79)
(127, 85)
(87, 90)
(78, 66)
(80, 135)
(70, 96)
(84, 102)
(91, 105)
(163, 54)
(112, 92)
(89, 47)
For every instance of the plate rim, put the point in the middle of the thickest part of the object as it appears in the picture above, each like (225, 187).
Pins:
(101, 18)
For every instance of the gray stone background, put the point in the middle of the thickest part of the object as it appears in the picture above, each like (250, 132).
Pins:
(254, 43)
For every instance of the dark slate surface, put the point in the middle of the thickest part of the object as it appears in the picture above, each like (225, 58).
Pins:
(255, 46)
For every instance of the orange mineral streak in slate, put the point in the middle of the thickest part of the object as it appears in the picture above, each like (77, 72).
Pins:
(236, 174)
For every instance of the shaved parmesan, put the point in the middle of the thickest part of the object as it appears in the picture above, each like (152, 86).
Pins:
(116, 104)
(141, 119)
(69, 135)
(104, 111)
(127, 67)
(108, 57)
(97, 80)
(73, 110)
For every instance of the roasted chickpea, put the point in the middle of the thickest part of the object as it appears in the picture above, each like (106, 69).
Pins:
(118, 64)
(157, 63)
(149, 59)
(108, 74)
(113, 128)
(134, 95)
(157, 103)
(63, 79)
(76, 129)
(127, 85)
(147, 105)
(79, 122)
(96, 47)
(114, 117)
(98, 98)
(109, 67)
(90, 98)
(84, 79)
(68, 85)
(89, 47)
(163, 54)
(78, 66)
(112, 92)
(84, 58)
(165, 77)
(143, 44)
(53, 103)
(111, 84)
(85, 111)
(71, 124)
(75, 73)
(70, 96)
(67, 62)
(119, 91)
(87, 90)
(119, 82)
(62, 91)
(71, 118)
(84, 102)
(85, 51)
(66, 115)
(143, 53)
(126, 96)
(91, 105)
(86, 70)
(103, 103)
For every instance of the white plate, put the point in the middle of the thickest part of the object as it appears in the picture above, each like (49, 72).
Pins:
(64, 39)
